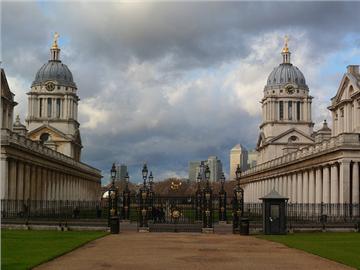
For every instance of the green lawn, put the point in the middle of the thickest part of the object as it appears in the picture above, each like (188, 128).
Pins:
(26, 249)
(340, 247)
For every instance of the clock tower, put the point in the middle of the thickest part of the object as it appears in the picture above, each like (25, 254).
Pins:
(53, 107)
(286, 111)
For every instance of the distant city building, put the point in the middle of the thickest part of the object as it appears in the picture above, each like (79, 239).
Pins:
(194, 169)
(238, 155)
(214, 164)
(121, 171)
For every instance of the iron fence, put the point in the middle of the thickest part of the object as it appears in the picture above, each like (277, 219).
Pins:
(163, 206)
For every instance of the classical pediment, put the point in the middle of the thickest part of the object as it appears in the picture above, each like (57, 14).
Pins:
(55, 134)
(348, 86)
(292, 136)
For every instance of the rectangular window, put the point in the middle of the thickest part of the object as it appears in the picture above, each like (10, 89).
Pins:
(298, 112)
(290, 110)
(281, 110)
(58, 108)
(40, 107)
(49, 108)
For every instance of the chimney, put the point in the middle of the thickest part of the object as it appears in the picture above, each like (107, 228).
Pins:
(353, 69)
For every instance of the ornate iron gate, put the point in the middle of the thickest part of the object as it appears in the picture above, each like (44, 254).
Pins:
(173, 214)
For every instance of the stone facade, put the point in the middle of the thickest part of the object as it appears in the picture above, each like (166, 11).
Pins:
(326, 171)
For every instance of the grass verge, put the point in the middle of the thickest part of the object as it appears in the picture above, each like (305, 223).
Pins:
(22, 249)
(340, 247)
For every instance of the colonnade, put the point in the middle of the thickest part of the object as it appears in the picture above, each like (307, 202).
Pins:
(334, 183)
(22, 180)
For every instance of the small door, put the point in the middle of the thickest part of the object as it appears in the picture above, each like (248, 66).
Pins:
(274, 218)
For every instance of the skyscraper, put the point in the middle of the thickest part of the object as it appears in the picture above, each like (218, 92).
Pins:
(238, 155)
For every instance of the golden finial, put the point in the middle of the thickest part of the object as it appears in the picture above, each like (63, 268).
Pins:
(55, 45)
(286, 48)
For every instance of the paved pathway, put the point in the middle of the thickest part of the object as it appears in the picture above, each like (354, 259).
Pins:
(175, 251)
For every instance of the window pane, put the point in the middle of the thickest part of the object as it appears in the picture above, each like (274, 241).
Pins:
(49, 107)
(290, 110)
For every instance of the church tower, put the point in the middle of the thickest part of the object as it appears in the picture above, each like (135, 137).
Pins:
(286, 111)
(53, 107)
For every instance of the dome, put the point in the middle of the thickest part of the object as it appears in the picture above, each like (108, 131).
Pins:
(54, 70)
(284, 74)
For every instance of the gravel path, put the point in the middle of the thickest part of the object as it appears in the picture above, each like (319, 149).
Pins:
(150, 251)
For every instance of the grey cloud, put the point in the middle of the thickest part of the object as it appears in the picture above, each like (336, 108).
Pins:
(175, 41)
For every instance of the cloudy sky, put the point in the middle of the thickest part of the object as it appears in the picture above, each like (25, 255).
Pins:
(166, 83)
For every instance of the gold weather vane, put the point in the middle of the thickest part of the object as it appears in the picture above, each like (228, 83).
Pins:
(55, 45)
(286, 48)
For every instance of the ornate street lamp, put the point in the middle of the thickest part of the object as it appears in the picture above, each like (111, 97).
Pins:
(238, 201)
(113, 220)
(143, 202)
(151, 196)
(222, 200)
(144, 174)
(112, 193)
(126, 199)
(207, 204)
(198, 199)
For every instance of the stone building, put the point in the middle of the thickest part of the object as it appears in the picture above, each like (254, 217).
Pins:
(44, 162)
(322, 167)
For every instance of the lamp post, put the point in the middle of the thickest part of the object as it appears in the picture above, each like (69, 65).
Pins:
(113, 198)
(151, 197)
(222, 200)
(126, 200)
(143, 199)
(238, 201)
(198, 199)
(207, 204)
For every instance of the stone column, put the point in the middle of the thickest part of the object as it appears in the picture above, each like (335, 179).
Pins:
(305, 191)
(280, 185)
(4, 177)
(50, 185)
(12, 179)
(20, 182)
(39, 183)
(318, 185)
(293, 188)
(27, 181)
(334, 184)
(299, 187)
(65, 187)
(45, 184)
(289, 188)
(284, 184)
(355, 183)
(326, 184)
(344, 187)
(33, 169)
(311, 186)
